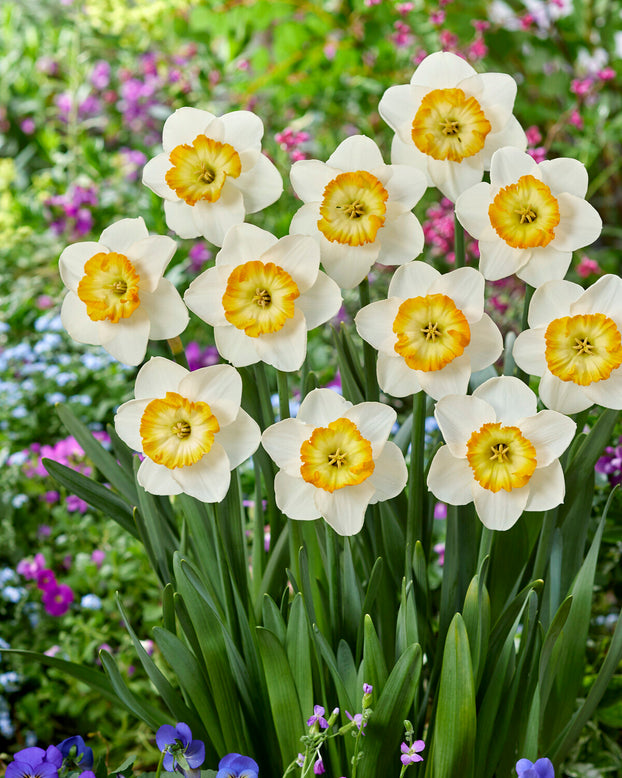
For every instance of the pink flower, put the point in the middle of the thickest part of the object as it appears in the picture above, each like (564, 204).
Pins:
(606, 74)
(30, 570)
(439, 549)
(581, 86)
(534, 136)
(98, 557)
(478, 49)
(57, 599)
(587, 266)
(539, 153)
(437, 17)
(46, 579)
(576, 119)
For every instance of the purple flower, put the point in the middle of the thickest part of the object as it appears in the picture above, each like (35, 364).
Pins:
(237, 766)
(76, 752)
(35, 763)
(317, 718)
(57, 599)
(100, 76)
(367, 688)
(180, 750)
(318, 767)
(409, 753)
(45, 579)
(358, 720)
(542, 768)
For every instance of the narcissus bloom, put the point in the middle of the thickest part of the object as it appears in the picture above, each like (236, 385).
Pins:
(450, 119)
(335, 460)
(189, 426)
(211, 172)
(530, 218)
(431, 332)
(117, 296)
(575, 344)
(358, 209)
(262, 297)
(500, 454)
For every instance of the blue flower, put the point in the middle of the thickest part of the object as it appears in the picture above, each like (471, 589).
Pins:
(180, 750)
(237, 766)
(76, 752)
(542, 768)
(35, 763)
(91, 602)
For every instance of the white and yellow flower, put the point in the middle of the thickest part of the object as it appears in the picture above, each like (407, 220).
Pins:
(530, 217)
(211, 172)
(358, 209)
(262, 297)
(450, 120)
(335, 459)
(189, 426)
(500, 453)
(575, 344)
(431, 333)
(117, 295)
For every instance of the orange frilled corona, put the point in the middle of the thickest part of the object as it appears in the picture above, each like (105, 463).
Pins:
(501, 457)
(200, 170)
(353, 209)
(109, 287)
(525, 214)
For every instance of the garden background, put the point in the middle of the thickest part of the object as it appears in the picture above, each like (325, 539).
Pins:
(84, 90)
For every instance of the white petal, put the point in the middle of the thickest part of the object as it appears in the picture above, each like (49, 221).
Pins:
(508, 165)
(510, 397)
(154, 177)
(498, 260)
(452, 379)
(486, 343)
(73, 259)
(244, 242)
(348, 265)
(358, 152)
(157, 377)
(321, 302)
(283, 442)
(550, 432)
(261, 186)
(295, 497)
(472, 210)
(179, 218)
(511, 135)
(127, 422)
(157, 479)
(499, 510)
(546, 264)
(405, 186)
(441, 70)
(304, 221)
(406, 153)
(220, 386)
(208, 479)
(240, 439)
(563, 396)
(413, 280)
(121, 235)
(205, 293)
(374, 421)
(77, 322)
(458, 417)
(286, 349)
(150, 257)
(126, 340)
(565, 175)
(310, 177)
(395, 377)
(401, 238)
(243, 129)
(579, 223)
(390, 474)
(465, 286)
(396, 106)
(321, 406)
(298, 255)
(607, 393)
(495, 92)
(450, 478)
(551, 301)
(248, 159)
(345, 508)
(168, 316)
(454, 178)
(374, 323)
(183, 126)
(235, 346)
(212, 220)
(546, 488)
(604, 296)
(528, 351)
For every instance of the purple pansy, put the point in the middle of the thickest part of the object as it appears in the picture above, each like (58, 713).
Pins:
(237, 766)
(541, 768)
(35, 763)
(179, 748)
(76, 752)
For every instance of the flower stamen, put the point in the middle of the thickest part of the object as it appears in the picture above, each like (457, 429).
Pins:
(525, 214)
(336, 456)
(353, 209)
(199, 170)
(501, 457)
(109, 287)
(583, 348)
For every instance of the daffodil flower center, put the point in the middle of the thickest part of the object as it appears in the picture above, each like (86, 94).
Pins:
(259, 298)
(583, 348)
(449, 125)
(525, 214)
(353, 208)
(199, 170)
(501, 457)
(336, 456)
(431, 332)
(177, 432)
(109, 287)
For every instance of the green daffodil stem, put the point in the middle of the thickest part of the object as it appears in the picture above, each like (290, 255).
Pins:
(283, 388)
(460, 257)
(416, 484)
(263, 390)
(177, 351)
(369, 353)
(529, 290)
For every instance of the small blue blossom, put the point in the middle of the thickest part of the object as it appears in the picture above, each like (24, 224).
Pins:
(76, 752)
(62, 379)
(7, 729)
(10, 681)
(180, 750)
(19, 412)
(82, 399)
(541, 768)
(7, 574)
(91, 602)
(18, 458)
(237, 766)
(13, 593)
(19, 500)
(55, 397)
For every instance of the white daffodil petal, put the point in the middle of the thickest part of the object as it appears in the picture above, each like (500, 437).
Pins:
(401, 239)
(604, 296)
(396, 106)
(498, 260)
(440, 70)
(298, 255)
(295, 497)
(450, 478)
(374, 323)
(458, 417)
(496, 92)
(126, 340)
(395, 377)
(405, 186)
(403, 153)
(563, 396)
(452, 379)
(511, 135)
(390, 473)
(321, 302)
(472, 210)
(243, 129)
(511, 399)
(183, 126)
(321, 406)
(208, 479)
(127, 422)
(546, 264)
(235, 346)
(528, 351)
(546, 488)
(345, 508)
(465, 286)
(168, 316)
(220, 386)
(244, 242)
(214, 219)
(565, 175)
(486, 343)
(179, 218)
(157, 479)
(374, 421)
(508, 165)
(77, 322)
(454, 178)
(413, 280)
(121, 235)
(579, 223)
(607, 393)
(283, 441)
(240, 439)
(358, 152)
(72, 260)
(154, 177)
(550, 432)
(551, 301)
(150, 256)
(260, 186)
(286, 349)
(304, 221)
(310, 177)
(499, 510)
(157, 377)
(204, 296)
(348, 265)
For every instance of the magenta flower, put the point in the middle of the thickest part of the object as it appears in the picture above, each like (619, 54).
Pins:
(409, 753)
(45, 579)
(57, 599)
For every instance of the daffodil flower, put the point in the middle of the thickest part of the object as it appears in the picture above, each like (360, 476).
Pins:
(358, 210)
(189, 426)
(262, 297)
(431, 332)
(450, 120)
(211, 172)
(117, 295)
(530, 217)
(500, 453)
(335, 459)
(575, 344)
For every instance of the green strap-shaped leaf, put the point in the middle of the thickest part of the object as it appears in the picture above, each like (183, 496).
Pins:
(272, 619)
(476, 614)
(374, 665)
(298, 646)
(352, 378)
